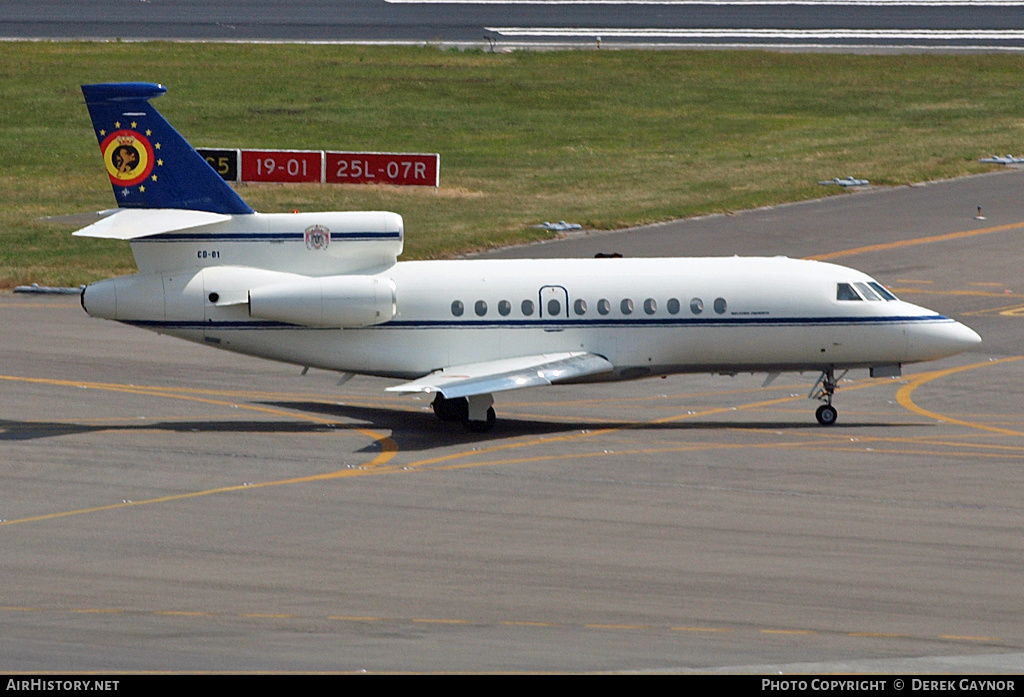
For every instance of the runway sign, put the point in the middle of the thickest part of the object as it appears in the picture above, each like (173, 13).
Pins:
(296, 166)
(225, 161)
(283, 166)
(404, 169)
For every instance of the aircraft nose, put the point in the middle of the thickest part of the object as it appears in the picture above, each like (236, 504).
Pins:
(965, 337)
(933, 341)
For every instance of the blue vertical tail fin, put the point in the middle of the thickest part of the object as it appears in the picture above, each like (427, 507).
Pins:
(150, 164)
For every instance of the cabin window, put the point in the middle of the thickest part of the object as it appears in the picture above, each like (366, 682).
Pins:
(458, 308)
(626, 306)
(882, 290)
(844, 291)
(554, 308)
(504, 308)
(672, 306)
(603, 307)
(720, 305)
(650, 306)
(696, 306)
(580, 306)
(867, 293)
(527, 307)
(480, 308)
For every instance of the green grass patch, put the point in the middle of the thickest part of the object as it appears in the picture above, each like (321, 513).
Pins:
(604, 138)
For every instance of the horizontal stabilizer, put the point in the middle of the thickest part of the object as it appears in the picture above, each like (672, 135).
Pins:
(507, 374)
(132, 223)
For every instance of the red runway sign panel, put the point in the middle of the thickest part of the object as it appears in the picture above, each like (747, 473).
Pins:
(286, 166)
(406, 169)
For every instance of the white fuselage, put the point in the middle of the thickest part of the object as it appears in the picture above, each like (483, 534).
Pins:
(645, 316)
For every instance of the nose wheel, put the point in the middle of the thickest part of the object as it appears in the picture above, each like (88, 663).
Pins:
(826, 413)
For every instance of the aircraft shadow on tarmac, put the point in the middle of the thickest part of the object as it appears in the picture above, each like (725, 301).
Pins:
(421, 430)
(411, 430)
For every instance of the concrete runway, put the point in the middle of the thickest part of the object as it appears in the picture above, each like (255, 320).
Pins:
(170, 507)
(814, 25)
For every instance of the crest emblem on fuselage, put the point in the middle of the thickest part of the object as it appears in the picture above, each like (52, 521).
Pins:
(317, 237)
(128, 156)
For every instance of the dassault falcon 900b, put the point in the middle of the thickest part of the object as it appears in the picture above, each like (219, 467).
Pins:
(327, 290)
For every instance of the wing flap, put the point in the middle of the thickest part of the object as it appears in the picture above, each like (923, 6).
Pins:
(132, 223)
(507, 374)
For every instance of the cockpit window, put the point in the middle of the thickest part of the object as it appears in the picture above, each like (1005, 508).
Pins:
(867, 293)
(881, 290)
(844, 291)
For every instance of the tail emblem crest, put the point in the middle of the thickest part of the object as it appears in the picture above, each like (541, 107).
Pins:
(129, 157)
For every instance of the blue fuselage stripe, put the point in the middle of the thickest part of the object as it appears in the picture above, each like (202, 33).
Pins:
(564, 323)
(261, 236)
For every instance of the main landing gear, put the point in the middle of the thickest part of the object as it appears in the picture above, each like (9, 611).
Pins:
(475, 412)
(826, 413)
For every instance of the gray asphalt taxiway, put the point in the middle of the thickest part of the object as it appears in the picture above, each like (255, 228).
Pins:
(169, 507)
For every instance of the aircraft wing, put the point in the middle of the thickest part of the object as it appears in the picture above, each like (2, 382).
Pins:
(131, 223)
(507, 374)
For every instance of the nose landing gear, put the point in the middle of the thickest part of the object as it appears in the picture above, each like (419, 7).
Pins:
(826, 413)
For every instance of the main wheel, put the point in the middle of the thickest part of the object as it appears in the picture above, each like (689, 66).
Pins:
(481, 426)
(826, 415)
(451, 409)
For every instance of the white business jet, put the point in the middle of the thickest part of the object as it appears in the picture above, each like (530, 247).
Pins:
(326, 290)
